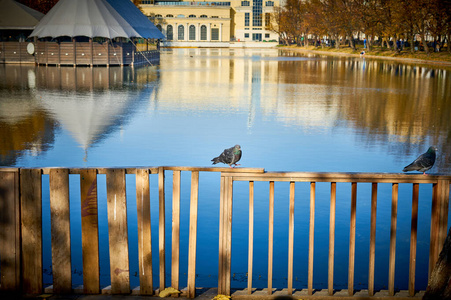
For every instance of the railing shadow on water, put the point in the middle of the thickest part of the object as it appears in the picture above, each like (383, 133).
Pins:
(24, 237)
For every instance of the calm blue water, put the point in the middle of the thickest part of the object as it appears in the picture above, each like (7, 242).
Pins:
(288, 111)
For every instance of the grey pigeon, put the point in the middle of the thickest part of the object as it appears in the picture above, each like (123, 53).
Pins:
(229, 156)
(424, 162)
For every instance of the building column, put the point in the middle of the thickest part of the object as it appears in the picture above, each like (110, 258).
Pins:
(187, 32)
(220, 32)
(209, 32)
(175, 32)
(198, 32)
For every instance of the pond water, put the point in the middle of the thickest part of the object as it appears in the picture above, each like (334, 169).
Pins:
(289, 112)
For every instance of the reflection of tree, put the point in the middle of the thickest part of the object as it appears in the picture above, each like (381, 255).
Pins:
(406, 107)
(34, 133)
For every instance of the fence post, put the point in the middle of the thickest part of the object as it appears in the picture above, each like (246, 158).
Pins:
(225, 235)
(162, 228)
(10, 231)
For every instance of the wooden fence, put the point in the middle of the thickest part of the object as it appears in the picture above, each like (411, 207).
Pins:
(21, 247)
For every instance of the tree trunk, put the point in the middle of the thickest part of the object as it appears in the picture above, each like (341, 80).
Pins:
(439, 285)
(425, 43)
(412, 43)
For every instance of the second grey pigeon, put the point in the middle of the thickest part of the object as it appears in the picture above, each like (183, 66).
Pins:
(229, 156)
(424, 162)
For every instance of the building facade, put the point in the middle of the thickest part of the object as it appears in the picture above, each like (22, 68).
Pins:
(218, 24)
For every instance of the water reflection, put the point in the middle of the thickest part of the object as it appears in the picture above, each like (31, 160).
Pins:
(89, 103)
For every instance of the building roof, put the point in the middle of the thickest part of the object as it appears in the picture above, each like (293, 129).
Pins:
(96, 18)
(14, 15)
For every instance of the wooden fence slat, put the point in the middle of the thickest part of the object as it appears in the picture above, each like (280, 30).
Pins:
(434, 228)
(352, 239)
(392, 255)
(228, 221)
(31, 217)
(117, 231)
(175, 265)
(413, 238)
(193, 234)
(372, 239)
(333, 198)
(221, 254)
(291, 239)
(270, 236)
(144, 232)
(90, 231)
(10, 233)
(251, 238)
(311, 237)
(60, 228)
(443, 189)
(162, 228)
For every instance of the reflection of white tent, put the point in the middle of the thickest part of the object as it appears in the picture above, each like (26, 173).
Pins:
(96, 18)
(87, 116)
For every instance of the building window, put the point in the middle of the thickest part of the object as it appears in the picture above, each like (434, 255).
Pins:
(158, 16)
(266, 35)
(267, 20)
(246, 19)
(214, 17)
(169, 16)
(215, 34)
(245, 3)
(170, 33)
(203, 16)
(181, 33)
(257, 37)
(180, 16)
(269, 3)
(192, 33)
(257, 13)
(246, 35)
(203, 33)
(191, 16)
(159, 27)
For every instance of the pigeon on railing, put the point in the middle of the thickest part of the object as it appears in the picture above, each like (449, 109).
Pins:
(229, 156)
(424, 162)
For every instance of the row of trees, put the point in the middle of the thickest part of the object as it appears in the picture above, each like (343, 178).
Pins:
(379, 20)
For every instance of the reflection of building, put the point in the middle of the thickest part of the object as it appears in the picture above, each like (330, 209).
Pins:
(218, 24)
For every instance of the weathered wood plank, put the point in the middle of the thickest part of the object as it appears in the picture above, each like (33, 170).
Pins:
(175, 266)
(60, 228)
(413, 238)
(336, 177)
(228, 241)
(443, 189)
(221, 258)
(392, 255)
(10, 233)
(333, 198)
(291, 239)
(162, 228)
(215, 169)
(270, 236)
(311, 237)
(117, 231)
(352, 239)
(372, 239)
(251, 238)
(193, 234)
(31, 217)
(144, 232)
(90, 231)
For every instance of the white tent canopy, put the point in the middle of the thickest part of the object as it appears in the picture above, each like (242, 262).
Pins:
(94, 18)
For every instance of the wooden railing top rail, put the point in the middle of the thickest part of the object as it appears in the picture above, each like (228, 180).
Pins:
(152, 170)
(337, 177)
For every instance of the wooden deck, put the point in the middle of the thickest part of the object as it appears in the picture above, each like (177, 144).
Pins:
(21, 220)
(77, 53)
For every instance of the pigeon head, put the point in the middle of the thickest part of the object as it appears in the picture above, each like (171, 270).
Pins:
(432, 149)
(236, 149)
